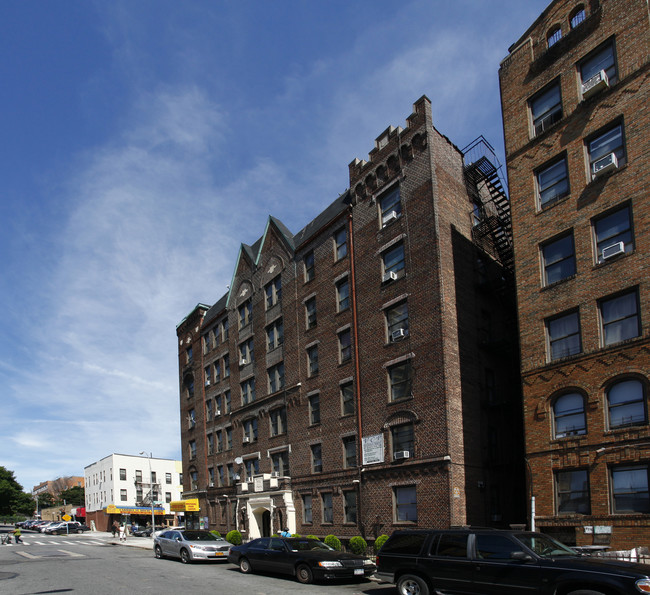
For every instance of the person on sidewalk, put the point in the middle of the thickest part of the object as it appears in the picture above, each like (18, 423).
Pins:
(115, 528)
(122, 532)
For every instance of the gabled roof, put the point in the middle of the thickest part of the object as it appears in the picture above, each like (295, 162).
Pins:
(321, 220)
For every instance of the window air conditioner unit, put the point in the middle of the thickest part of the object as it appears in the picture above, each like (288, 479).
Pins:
(397, 335)
(595, 84)
(211, 485)
(207, 383)
(605, 164)
(390, 276)
(390, 217)
(613, 250)
(402, 454)
(250, 480)
(246, 439)
(275, 474)
(243, 361)
(217, 412)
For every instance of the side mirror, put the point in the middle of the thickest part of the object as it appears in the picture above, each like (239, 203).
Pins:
(521, 556)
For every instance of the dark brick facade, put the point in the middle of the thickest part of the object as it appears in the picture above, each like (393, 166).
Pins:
(416, 348)
(588, 465)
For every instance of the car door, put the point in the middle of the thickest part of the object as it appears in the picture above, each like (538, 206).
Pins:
(497, 572)
(277, 557)
(449, 565)
(168, 543)
(256, 554)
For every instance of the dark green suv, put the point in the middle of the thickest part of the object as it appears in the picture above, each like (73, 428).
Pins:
(489, 561)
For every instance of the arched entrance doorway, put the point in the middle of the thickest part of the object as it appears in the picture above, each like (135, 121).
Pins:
(262, 518)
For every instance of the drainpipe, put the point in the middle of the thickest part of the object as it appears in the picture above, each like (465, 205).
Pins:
(355, 331)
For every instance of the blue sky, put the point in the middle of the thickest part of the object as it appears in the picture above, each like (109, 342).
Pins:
(143, 141)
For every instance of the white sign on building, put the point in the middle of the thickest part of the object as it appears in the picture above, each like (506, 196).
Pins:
(373, 449)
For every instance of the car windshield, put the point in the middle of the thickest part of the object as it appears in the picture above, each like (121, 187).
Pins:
(199, 536)
(545, 546)
(302, 545)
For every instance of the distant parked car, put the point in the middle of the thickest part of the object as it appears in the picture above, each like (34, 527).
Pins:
(189, 545)
(63, 528)
(306, 559)
(142, 532)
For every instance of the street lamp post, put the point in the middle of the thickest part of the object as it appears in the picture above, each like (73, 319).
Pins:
(153, 521)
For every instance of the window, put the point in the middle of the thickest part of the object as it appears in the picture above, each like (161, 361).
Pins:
(402, 440)
(250, 429)
(390, 206)
(228, 438)
(220, 475)
(601, 59)
(393, 262)
(211, 476)
(310, 271)
(276, 377)
(194, 479)
(494, 547)
(246, 352)
(569, 415)
(306, 508)
(347, 399)
(278, 419)
(606, 143)
(312, 360)
(405, 504)
(217, 371)
(168, 478)
(207, 343)
(620, 318)
(613, 234)
(559, 259)
(554, 35)
(350, 452)
(314, 409)
(577, 18)
(345, 347)
(226, 399)
(328, 514)
(399, 377)
(350, 506)
(218, 405)
(340, 244)
(252, 467)
(280, 463)
(226, 366)
(397, 321)
(189, 386)
(273, 291)
(122, 474)
(207, 373)
(316, 459)
(245, 313)
(342, 295)
(219, 440)
(630, 489)
(564, 335)
(231, 474)
(248, 391)
(626, 404)
(192, 448)
(274, 335)
(216, 332)
(138, 475)
(191, 419)
(123, 496)
(188, 355)
(553, 182)
(168, 497)
(210, 444)
(310, 312)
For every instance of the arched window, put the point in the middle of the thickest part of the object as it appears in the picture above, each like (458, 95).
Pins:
(577, 17)
(554, 35)
(626, 404)
(569, 415)
(189, 386)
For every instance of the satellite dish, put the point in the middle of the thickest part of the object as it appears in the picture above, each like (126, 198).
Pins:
(239, 460)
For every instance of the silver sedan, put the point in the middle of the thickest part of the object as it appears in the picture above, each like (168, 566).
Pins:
(189, 545)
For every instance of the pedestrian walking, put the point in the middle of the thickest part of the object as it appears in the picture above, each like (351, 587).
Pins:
(115, 528)
(17, 534)
(122, 532)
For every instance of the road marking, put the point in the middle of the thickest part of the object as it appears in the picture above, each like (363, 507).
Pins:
(72, 554)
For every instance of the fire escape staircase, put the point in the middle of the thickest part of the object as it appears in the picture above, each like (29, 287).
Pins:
(493, 217)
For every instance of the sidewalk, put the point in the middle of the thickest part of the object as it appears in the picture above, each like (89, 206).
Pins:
(144, 543)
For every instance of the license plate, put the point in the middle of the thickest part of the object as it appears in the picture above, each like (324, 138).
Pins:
(358, 571)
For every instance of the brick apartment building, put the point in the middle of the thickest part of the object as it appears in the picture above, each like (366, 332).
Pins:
(575, 96)
(362, 374)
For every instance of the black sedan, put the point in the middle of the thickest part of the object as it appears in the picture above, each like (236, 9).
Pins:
(306, 559)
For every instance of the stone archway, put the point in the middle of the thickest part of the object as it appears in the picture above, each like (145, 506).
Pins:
(261, 523)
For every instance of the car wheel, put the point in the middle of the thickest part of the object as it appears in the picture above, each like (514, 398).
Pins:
(245, 566)
(304, 574)
(409, 584)
(79, 531)
(185, 556)
(158, 552)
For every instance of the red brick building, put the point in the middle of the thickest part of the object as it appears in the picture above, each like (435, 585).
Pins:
(575, 95)
(362, 374)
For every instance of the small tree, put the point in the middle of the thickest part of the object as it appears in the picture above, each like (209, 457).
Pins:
(234, 537)
(215, 533)
(381, 540)
(358, 545)
(333, 541)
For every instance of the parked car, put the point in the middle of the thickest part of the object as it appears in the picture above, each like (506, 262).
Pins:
(66, 528)
(190, 545)
(306, 559)
(143, 532)
(491, 561)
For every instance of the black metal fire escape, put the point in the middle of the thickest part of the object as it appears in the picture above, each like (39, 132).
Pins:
(492, 205)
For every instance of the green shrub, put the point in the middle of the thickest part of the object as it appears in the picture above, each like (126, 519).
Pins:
(296, 535)
(381, 540)
(311, 537)
(234, 537)
(215, 533)
(358, 545)
(333, 541)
